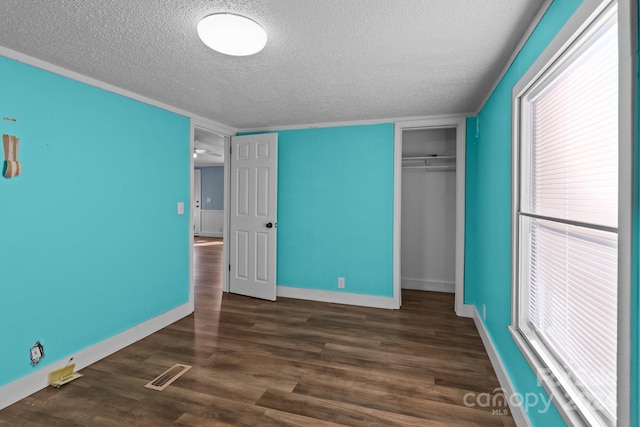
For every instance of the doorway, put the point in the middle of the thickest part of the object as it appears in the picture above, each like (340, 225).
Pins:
(428, 209)
(207, 205)
(435, 150)
(208, 163)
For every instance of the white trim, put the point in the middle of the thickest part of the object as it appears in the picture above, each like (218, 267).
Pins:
(226, 257)
(191, 221)
(29, 384)
(47, 66)
(336, 297)
(575, 25)
(466, 310)
(213, 127)
(212, 222)
(627, 45)
(353, 123)
(428, 285)
(459, 123)
(397, 214)
(552, 387)
(517, 412)
(532, 26)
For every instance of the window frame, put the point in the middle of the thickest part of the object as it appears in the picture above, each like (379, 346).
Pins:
(568, 41)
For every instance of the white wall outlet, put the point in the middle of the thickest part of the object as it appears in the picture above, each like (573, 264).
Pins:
(341, 282)
(484, 312)
(208, 199)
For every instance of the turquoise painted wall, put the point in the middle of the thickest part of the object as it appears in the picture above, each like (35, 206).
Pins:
(488, 237)
(335, 209)
(91, 243)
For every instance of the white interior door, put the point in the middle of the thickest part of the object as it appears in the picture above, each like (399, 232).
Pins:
(197, 195)
(252, 215)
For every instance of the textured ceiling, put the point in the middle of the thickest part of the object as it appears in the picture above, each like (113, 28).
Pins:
(325, 60)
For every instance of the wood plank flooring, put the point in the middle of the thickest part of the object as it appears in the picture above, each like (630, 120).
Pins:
(284, 363)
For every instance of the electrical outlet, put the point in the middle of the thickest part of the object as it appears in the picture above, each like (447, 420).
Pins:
(36, 352)
(341, 282)
(484, 312)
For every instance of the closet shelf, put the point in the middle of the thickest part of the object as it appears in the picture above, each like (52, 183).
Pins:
(435, 168)
(433, 162)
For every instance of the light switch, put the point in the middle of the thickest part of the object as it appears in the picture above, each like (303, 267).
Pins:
(208, 199)
(180, 208)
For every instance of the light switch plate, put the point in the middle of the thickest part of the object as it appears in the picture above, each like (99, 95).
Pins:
(180, 208)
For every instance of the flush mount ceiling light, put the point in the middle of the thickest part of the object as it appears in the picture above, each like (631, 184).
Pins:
(232, 34)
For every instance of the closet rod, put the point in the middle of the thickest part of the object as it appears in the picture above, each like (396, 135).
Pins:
(442, 168)
(428, 157)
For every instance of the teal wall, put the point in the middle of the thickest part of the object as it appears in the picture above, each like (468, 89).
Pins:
(91, 243)
(488, 236)
(335, 209)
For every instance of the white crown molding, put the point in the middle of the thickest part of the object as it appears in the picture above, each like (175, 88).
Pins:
(352, 123)
(47, 66)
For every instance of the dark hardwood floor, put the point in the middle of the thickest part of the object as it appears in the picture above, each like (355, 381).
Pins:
(284, 363)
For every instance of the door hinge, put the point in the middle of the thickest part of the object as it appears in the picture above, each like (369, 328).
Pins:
(230, 149)
(229, 267)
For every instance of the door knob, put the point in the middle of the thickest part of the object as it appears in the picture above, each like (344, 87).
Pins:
(269, 225)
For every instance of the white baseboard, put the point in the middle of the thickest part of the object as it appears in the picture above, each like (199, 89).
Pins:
(337, 297)
(428, 285)
(466, 310)
(29, 384)
(517, 412)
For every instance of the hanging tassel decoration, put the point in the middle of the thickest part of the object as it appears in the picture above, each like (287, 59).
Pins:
(12, 166)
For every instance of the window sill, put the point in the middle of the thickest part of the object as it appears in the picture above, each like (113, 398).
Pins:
(567, 408)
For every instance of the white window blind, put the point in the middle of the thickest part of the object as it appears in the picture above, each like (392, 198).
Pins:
(568, 220)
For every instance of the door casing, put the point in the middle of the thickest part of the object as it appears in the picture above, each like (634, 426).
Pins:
(458, 123)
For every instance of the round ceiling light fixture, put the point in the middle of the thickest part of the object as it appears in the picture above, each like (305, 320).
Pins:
(232, 34)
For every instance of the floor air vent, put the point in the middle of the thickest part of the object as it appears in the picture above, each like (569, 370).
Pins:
(163, 380)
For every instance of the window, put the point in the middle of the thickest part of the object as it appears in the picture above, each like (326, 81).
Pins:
(566, 223)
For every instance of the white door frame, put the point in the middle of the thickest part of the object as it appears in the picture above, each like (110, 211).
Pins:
(459, 123)
(225, 218)
(226, 132)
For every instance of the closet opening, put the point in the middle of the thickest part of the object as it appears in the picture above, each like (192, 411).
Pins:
(429, 212)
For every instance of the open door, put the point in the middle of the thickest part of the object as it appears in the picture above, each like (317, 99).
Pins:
(253, 215)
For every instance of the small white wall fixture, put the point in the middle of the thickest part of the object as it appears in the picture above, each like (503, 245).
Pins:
(459, 124)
